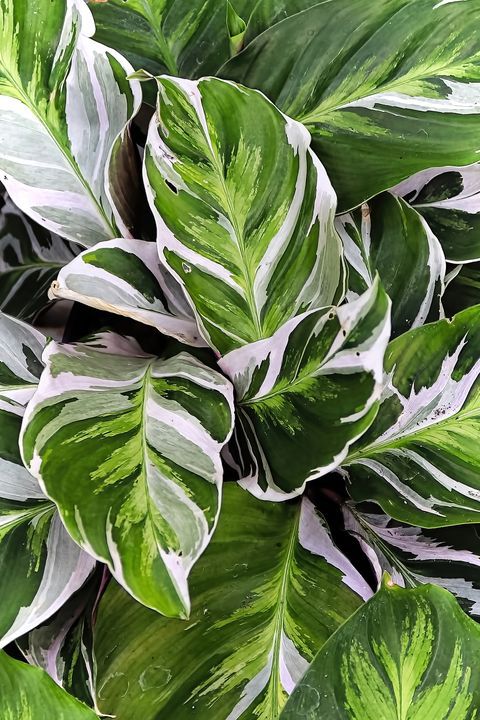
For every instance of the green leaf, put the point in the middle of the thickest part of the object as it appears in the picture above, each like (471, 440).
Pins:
(388, 237)
(449, 200)
(269, 590)
(190, 39)
(64, 103)
(141, 438)
(308, 392)
(386, 88)
(35, 550)
(29, 694)
(244, 210)
(449, 557)
(236, 29)
(268, 13)
(407, 654)
(30, 257)
(125, 277)
(63, 646)
(463, 289)
(419, 460)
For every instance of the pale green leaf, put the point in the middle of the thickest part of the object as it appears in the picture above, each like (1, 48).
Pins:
(270, 589)
(405, 655)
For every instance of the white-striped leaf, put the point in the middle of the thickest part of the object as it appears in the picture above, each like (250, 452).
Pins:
(406, 655)
(388, 237)
(125, 277)
(420, 459)
(28, 693)
(244, 210)
(270, 589)
(141, 438)
(307, 393)
(449, 200)
(30, 257)
(449, 557)
(63, 646)
(387, 88)
(64, 102)
(40, 566)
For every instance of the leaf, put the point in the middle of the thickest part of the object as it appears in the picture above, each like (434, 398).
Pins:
(270, 588)
(406, 654)
(63, 646)
(463, 290)
(64, 102)
(387, 88)
(449, 557)
(388, 237)
(28, 693)
(35, 550)
(449, 200)
(30, 257)
(268, 13)
(187, 39)
(125, 277)
(251, 253)
(142, 439)
(419, 460)
(236, 29)
(307, 393)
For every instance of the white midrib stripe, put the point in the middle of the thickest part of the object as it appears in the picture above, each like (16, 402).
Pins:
(71, 161)
(280, 613)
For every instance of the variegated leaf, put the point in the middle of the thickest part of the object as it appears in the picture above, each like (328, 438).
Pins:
(189, 39)
(420, 460)
(449, 557)
(64, 102)
(141, 438)
(30, 257)
(125, 277)
(270, 589)
(267, 13)
(388, 237)
(63, 646)
(409, 654)
(244, 210)
(387, 88)
(34, 547)
(307, 393)
(28, 693)
(449, 200)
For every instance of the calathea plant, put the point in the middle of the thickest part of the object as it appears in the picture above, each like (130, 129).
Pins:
(242, 479)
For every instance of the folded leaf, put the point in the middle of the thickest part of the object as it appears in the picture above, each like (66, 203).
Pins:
(35, 549)
(142, 439)
(244, 210)
(269, 590)
(63, 646)
(388, 237)
(307, 393)
(28, 693)
(30, 257)
(449, 200)
(64, 102)
(125, 277)
(386, 88)
(407, 654)
(449, 557)
(419, 460)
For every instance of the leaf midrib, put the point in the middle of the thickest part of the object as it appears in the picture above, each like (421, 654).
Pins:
(66, 154)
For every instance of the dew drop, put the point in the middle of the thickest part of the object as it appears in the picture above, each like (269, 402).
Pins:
(155, 676)
(186, 268)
